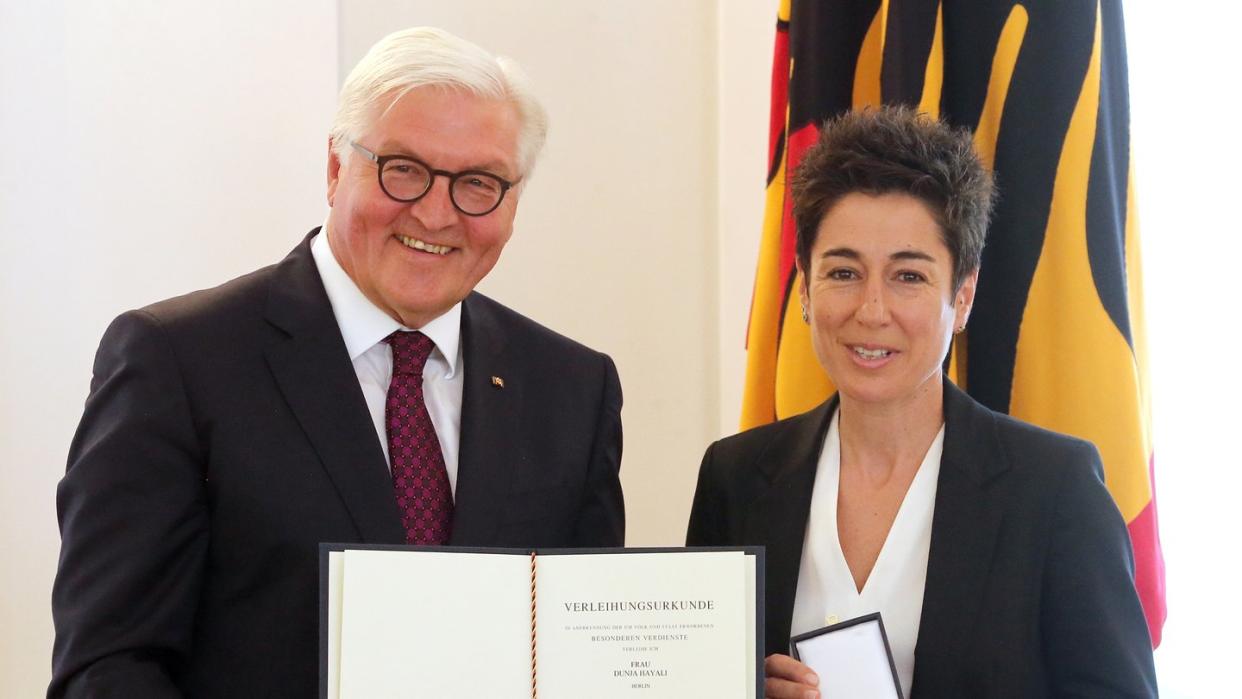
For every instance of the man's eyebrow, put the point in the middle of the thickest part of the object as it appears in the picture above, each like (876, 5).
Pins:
(495, 167)
(394, 148)
(492, 166)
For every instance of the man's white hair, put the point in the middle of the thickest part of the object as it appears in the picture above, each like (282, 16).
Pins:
(427, 56)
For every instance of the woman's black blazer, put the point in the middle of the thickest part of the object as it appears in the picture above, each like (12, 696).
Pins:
(1030, 576)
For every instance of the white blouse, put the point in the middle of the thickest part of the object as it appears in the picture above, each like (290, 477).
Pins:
(826, 591)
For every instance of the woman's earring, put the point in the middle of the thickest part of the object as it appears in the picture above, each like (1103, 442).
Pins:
(805, 317)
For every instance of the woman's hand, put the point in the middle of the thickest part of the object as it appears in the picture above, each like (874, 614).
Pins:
(788, 679)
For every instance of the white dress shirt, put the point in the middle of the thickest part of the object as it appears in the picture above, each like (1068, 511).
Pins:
(364, 327)
(826, 590)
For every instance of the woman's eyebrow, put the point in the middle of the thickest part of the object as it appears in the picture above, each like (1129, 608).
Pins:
(911, 255)
(851, 253)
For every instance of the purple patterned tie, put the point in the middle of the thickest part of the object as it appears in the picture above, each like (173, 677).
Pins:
(418, 475)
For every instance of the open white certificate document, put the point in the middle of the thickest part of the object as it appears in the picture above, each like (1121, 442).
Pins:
(624, 623)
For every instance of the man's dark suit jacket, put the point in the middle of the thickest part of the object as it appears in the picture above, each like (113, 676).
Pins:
(226, 435)
(1029, 588)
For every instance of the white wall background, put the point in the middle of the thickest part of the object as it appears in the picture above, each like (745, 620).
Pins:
(1184, 107)
(157, 147)
(150, 148)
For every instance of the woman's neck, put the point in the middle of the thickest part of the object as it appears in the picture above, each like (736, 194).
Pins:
(880, 439)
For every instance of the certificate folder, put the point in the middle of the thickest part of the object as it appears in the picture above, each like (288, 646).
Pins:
(407, 621)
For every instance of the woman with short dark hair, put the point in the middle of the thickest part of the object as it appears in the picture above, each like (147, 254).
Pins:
(991, 548)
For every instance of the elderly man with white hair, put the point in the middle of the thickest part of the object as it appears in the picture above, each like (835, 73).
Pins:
(359, 390)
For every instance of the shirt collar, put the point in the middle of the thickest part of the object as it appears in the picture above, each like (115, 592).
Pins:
(363, 324)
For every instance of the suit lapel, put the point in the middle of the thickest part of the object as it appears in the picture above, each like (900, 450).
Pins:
(779, 513)
(490, 425)
(964, 531)
(313, 370)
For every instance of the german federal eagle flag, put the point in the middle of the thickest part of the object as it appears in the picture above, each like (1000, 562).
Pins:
(1056, 336)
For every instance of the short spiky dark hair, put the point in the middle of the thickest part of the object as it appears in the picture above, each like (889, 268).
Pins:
(894, 149)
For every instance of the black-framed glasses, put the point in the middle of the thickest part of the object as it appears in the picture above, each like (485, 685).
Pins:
(406, 179)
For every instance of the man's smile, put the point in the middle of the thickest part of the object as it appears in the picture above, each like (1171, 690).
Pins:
(425, 247)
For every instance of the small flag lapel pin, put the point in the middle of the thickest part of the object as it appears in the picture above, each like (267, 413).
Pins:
(498, 382)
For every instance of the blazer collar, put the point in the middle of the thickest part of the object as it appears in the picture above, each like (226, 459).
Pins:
(491, 412)
(778, 516)
(971, 444)
(313, 371)
(965, 526)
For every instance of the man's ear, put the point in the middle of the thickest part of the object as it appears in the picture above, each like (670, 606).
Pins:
(334, 171)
